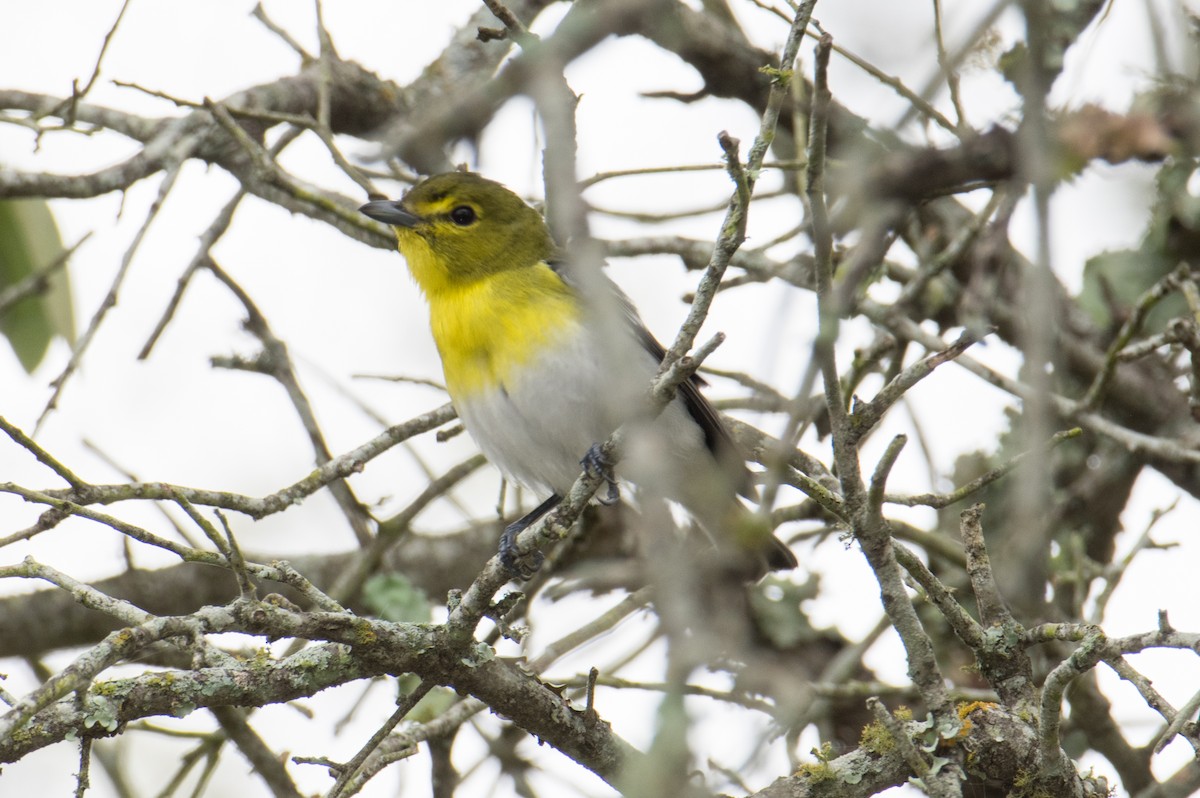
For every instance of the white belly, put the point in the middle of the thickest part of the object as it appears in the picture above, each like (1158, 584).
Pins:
(538, 426)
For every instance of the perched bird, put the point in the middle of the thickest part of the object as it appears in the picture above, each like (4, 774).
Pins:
(539, 376)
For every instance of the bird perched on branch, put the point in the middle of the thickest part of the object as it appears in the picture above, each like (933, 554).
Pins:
(540, 374)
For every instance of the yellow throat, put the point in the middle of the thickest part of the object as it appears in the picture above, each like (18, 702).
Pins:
(479, 254)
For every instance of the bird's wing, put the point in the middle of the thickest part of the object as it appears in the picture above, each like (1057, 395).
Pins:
(716, 434)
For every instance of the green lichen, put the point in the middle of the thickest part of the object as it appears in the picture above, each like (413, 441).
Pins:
(816, 772)
(182, 709)
(103, 689)
(779, 77)
(477, 655)
(877, 739)
(820, 770)
(365, 632)
(1025, 786)
(100, 711)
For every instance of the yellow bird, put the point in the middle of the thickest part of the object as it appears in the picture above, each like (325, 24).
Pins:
(538, 375)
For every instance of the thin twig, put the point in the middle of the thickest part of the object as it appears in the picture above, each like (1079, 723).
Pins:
(600, 177)
(43, 456)
(38, 280)
(733, 228)
(67, 110)
(1182, 718)
(954, 60)
(268, 765)
(1137, 316)
(278, 364)
(404, 706)
(179, 153)
(950, 72)
(897, 732)
(339, 467)
(82, 778)
(260, 14)
(866, 415)
(1052, 761)
(918, 104)
(940, 500)
(556, 650)
(390, 531)
(1136, 442)
(1116, 571)
(993, 611)
(879, 479)
(964, 626)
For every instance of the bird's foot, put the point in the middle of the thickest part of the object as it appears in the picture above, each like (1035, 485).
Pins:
(524, 566)
(596, 464)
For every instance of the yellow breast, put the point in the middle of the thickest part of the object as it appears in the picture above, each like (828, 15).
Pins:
(488, 328)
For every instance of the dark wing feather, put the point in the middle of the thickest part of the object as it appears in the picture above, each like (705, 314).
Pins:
(776, 555)
(716, 434)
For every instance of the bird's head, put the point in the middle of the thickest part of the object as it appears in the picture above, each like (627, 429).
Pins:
(456, 228)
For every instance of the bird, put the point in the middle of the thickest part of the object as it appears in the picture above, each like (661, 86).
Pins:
(540, 375)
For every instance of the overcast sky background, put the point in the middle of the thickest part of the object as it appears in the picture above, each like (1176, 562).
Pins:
(346, 309)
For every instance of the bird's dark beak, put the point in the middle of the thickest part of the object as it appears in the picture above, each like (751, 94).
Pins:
(390, 212)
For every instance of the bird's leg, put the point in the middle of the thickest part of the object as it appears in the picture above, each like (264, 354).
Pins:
(596, 464)
(509, 556)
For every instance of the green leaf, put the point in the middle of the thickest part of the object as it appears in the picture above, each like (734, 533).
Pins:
(29, 242)
(435, 704)
(393, 598)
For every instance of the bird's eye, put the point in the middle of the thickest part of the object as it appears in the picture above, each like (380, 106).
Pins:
(463, 215)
